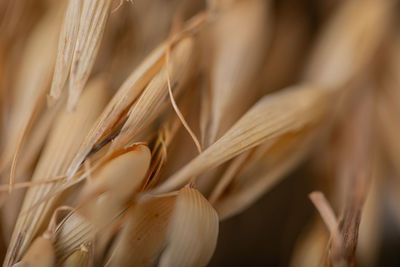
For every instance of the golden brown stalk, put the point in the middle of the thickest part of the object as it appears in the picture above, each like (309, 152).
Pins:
(355, 172)
(265, 121)
(329, 218)
(71, 128)
(362, 157)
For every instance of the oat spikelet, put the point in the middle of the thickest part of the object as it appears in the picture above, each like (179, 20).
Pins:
(302, 106)
(66, 46)
(54, 161)
(192, 235)
(91, 28)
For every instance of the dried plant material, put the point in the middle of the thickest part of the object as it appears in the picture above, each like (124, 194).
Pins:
(265, 88)
(116, 111)
(311, 248)
(254, 179)
(349, 42)
(66, 46)
(303, 106)
(155, 95)
(40, 253)
(71, 234)
(237, 41)
(55, 160)
(92, 22)
(109, 189)
(119, 104)
(329, 218)
(193, 231)
(79, 258)
(360, 135)
(143, 236)
(369, 236)
(33, 78)
(234, 167)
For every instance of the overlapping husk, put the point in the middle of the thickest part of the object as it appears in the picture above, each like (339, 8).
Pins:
(143, 237)
(79, 41)
(71, 128)
(29, 90)
(149, 75)
(71, 234)
(138, 192)
(264, 122)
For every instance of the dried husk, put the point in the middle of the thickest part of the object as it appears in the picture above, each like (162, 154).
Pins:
(39, 254)
(117, 108)
(255, 179)
(265, 121)
(79, 258)
(92, 22)
(154, 97)
(108, 190)
(145, 229)
(32, 81)
(55, 160)
(29, 154)
(236, 42)
(66, 46)
(193, 231)
(72, 233)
